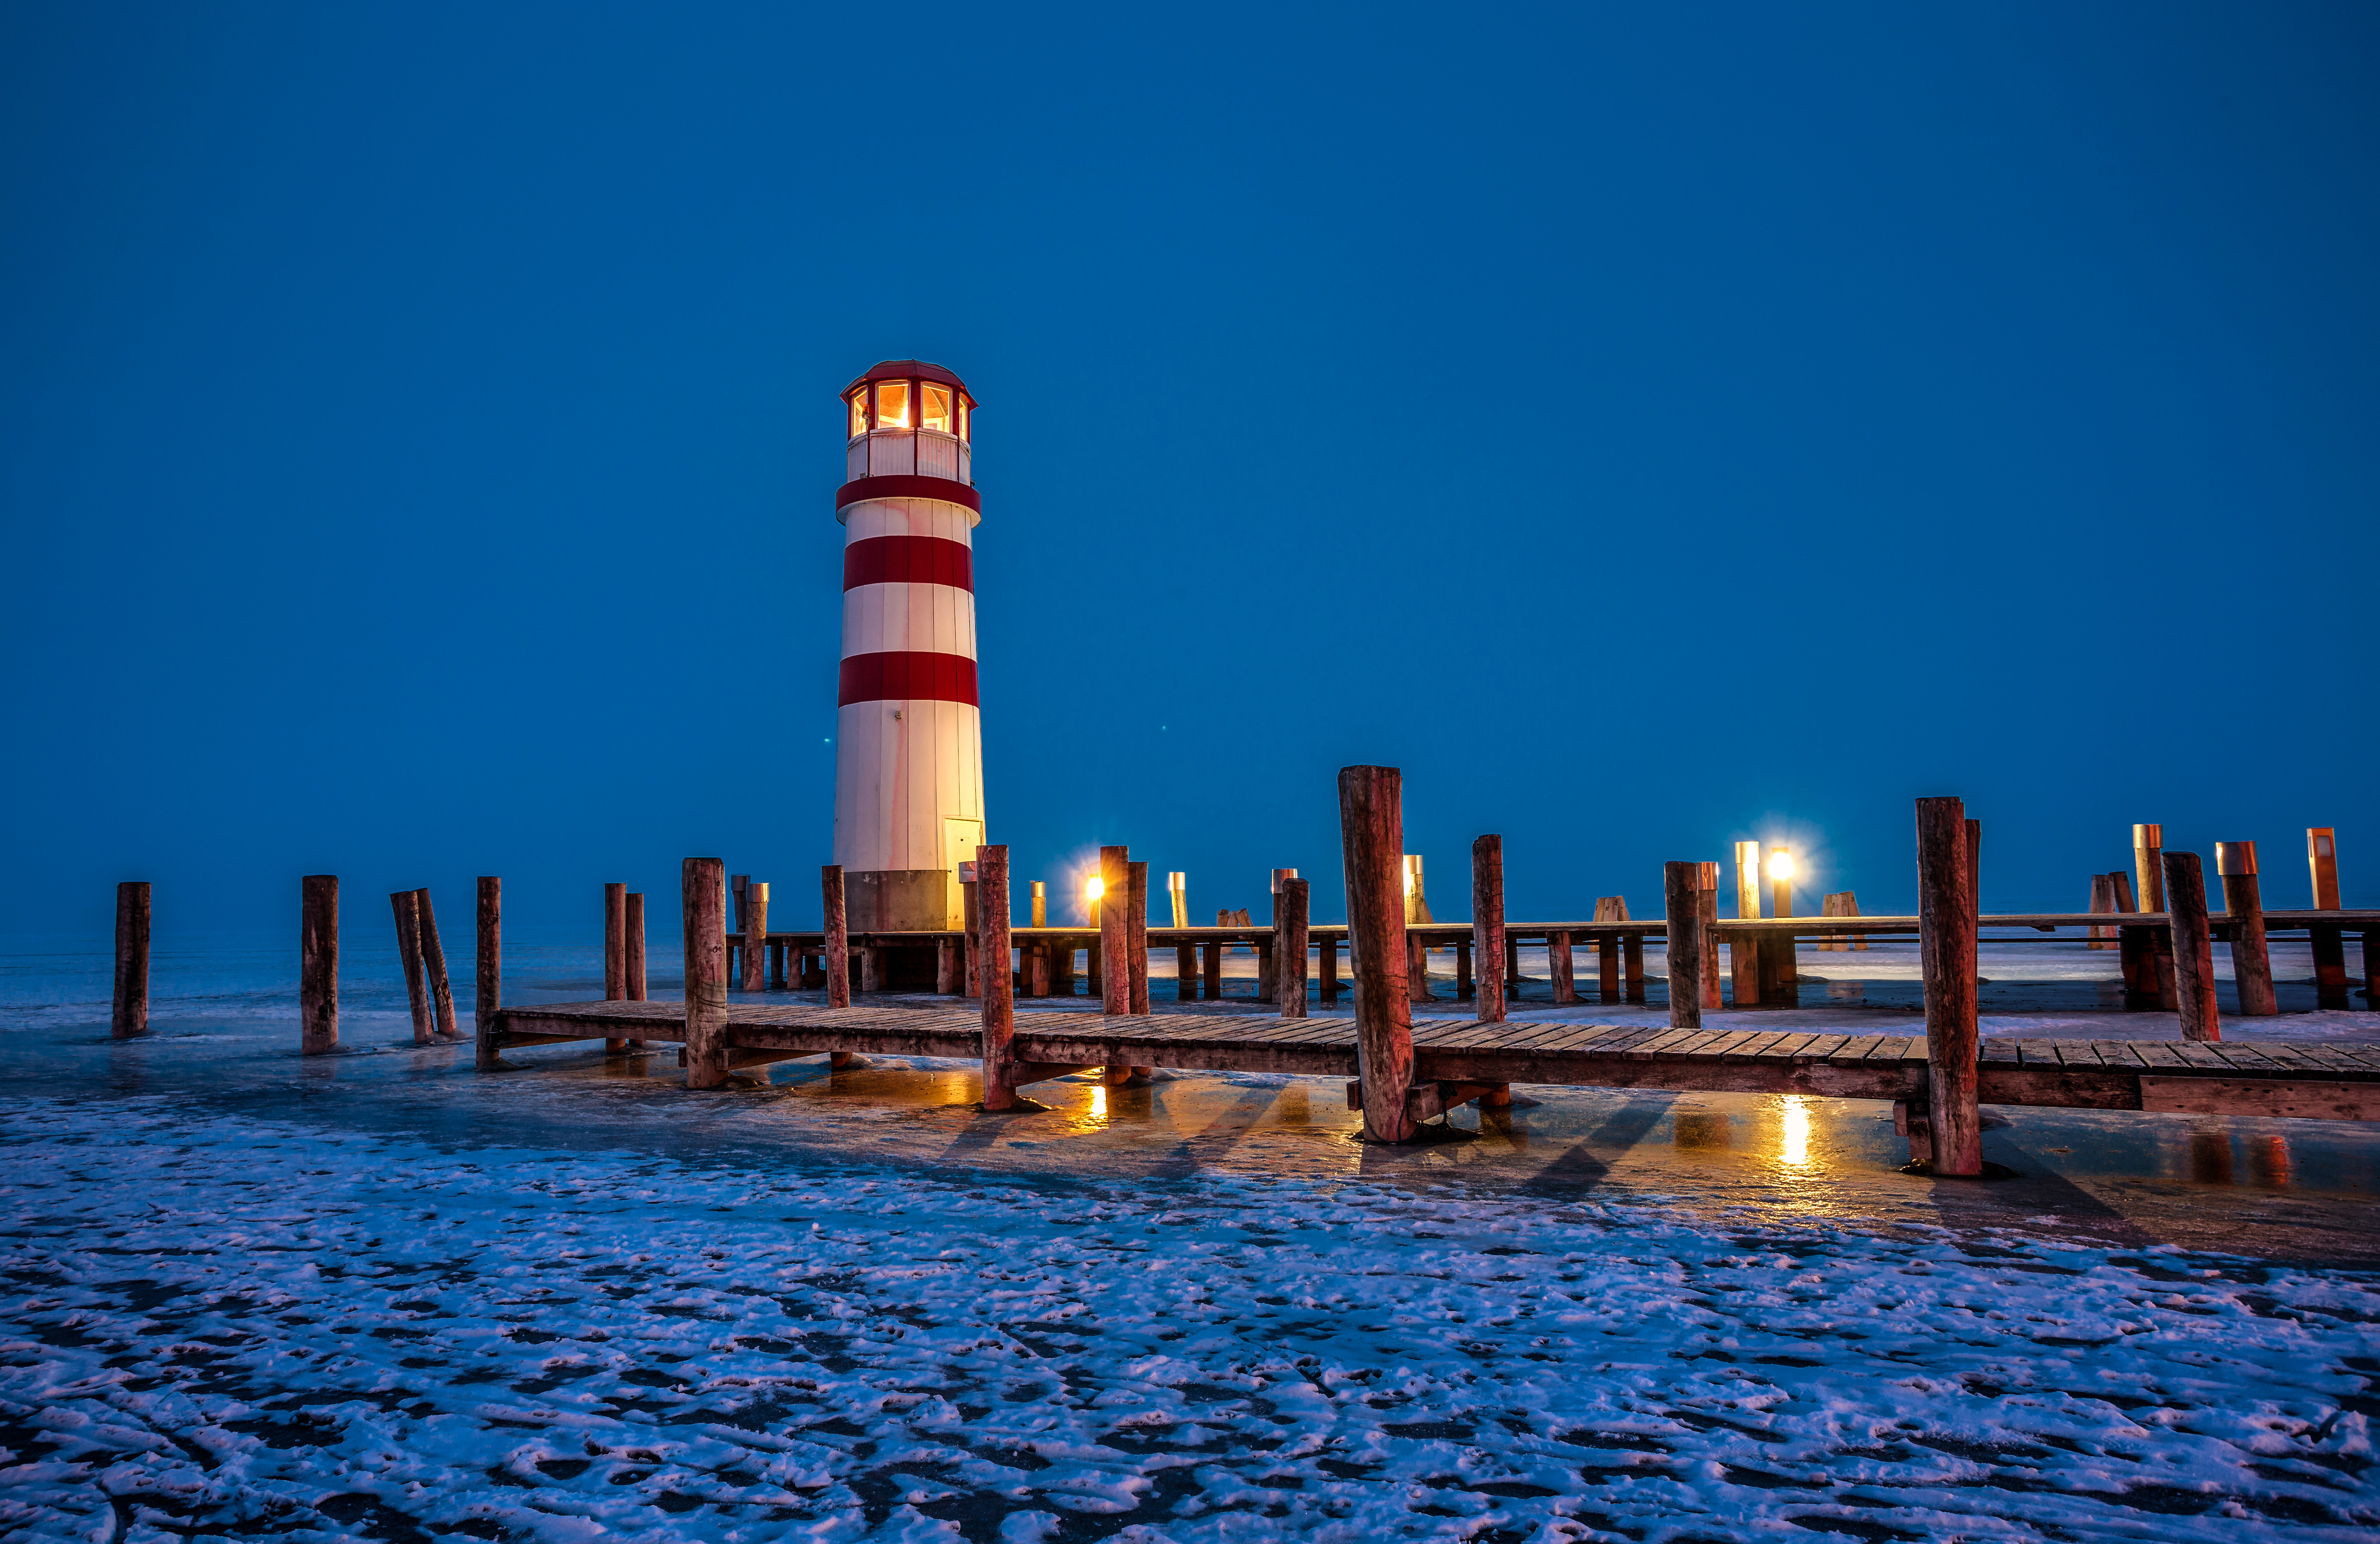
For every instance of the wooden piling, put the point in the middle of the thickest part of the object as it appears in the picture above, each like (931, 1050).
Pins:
(1488, 926)
(1326, 968)
(2102, 900)
(1465, 989)
(1115, 884)
(632, 952)
(632, 955)
(131, 1011)
(1185, 971)
(1607, 950)
(408, 908)
(1417, 970)
(1289, 946)
(488, 973)
(756, 935)
(2148, 866)
(1558, 966)
(1135, 937)
(1210, 969)
(1682, 896)
(1747, 880)
(998, 999)
(1371, 832)
(1975, 867)
(1946, 917)
(1177, 894)
(1632, 955)
(2193, 947)
(434, 966)
(615, 951)
(1040, 903)
(2328, 939)
(950, 968)
(706, 974)
(1036, 970)
(838, 937)
(1707, 877)
(2243, 907)
(318, 975)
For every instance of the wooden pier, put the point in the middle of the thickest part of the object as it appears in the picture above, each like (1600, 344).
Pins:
(2327, 1082)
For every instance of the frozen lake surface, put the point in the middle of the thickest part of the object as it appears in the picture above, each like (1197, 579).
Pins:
(377, 1295)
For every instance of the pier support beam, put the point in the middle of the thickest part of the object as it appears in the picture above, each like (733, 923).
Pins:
(1371, 832)
(999, 992)
(131, 1015)
(1289, 936)
(615, 951)
(1136, 938)
(318, 970)
(706, 974)
(1946, 912)
(2243, 902)
(2193, 947)
(433, 965)
(838, 937)
(1682, 896)
(488, 973)
(407, 906)
(632, 955)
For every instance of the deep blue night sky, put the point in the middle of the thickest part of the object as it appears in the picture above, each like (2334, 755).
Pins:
(1647, 426)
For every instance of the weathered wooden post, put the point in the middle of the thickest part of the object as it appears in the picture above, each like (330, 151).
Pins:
(1115, 986)
(1606, 951)
(488, 974)
(433, 964)
(2137, 956)
(1371, 835)
(998, 999)
(615, 951)
(706, 974)
(1185, 971)
(1416, 898)
(2329, 940)
(756, 935)
(2148, 866)
(1418, 969)
(838, 938)
(2243, 907)
(1177, 892)
(1289, 925)
(2103, 901)
(1326, 968)
(1975, 867)
(1210, 969)
(1945, 921)
(1040, 903)
(632, 955)
(1557, 965)
(407, 906)
(1135, 937)
(131, 1015)
(1488, 925)
(1707, 877)
(1683, 900)
(1632, 955)
(2193, 948)
(1744, 949)
(1464, 988)
(737, 884)
(317, 975)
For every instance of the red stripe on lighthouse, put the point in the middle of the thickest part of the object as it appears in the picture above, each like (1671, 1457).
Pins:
(908, 560)
(907, 675)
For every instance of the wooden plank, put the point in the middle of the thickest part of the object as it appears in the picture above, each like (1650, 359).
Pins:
(1858, 1048)
(1824, 1047)
(2292, 1097)
(2000, 1048)
(2200, 1055)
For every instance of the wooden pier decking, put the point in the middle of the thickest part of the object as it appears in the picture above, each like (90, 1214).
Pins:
(2331, 1081)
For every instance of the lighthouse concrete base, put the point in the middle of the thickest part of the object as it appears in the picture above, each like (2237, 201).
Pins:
(898, 901)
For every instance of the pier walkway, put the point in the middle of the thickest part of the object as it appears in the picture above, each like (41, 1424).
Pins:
(2331, 1081)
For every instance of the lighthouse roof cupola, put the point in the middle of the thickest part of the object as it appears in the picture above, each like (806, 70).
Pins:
(910, 418)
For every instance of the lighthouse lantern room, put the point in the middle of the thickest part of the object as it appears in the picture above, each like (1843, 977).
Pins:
(908, 785)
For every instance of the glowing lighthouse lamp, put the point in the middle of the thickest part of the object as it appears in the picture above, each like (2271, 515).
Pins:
(909, 773)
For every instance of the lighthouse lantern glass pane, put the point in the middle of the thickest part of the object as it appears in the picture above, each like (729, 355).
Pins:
(860, 412)
(963, 417)
(937, 407)
(891, 404)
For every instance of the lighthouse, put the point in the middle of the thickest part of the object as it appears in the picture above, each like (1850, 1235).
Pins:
(908, 764)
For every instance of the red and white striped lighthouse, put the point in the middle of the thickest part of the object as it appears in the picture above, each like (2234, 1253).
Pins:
(908, 765)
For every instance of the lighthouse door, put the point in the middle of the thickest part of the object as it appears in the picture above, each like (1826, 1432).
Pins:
(960, 839)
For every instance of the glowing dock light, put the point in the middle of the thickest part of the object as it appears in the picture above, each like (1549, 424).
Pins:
(1780, 880)
(1780, 864)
